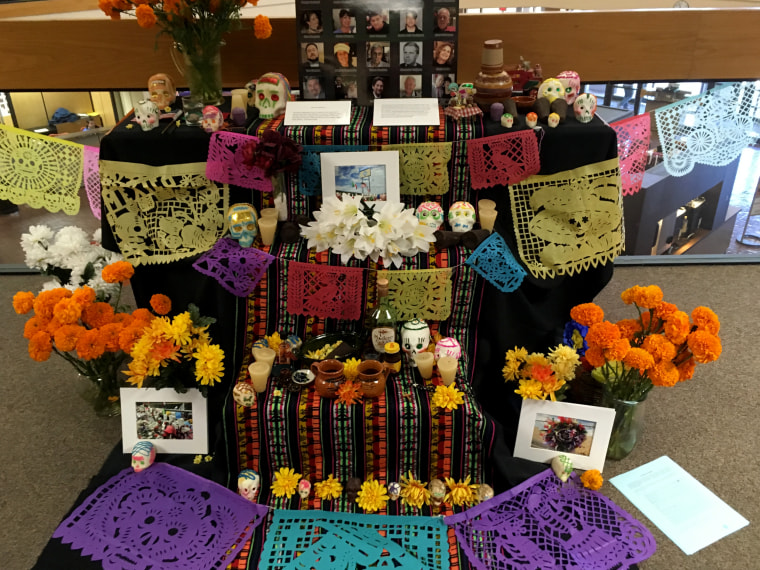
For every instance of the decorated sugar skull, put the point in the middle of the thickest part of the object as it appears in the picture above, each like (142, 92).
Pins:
(162, 90)
(448, 346)
(394, 490)
(304, 488)
(147, 114)
(272, 94)
(249, 482)
(243, 394)
(553, 120)
(461, 216)
(507, 120)
(430, 214)
(531, 119)
(415, 337)
(437, 492)
(551, 89)
(571, 85)
(242, 219)
(485, 492)
(585, 107)
(143, 455)
(212, 119)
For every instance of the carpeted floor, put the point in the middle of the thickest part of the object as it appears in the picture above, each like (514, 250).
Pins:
(54, 444)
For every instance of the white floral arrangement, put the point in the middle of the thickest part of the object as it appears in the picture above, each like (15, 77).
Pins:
(71, 257)
(350, 228)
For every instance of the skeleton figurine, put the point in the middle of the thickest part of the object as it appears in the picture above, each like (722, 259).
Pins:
(430, 214)
(304, 488)
(242, 220)
(585, 107)
(461, 217)
(272, 94)
(147, 114)
(162, 90)
(143, 455)
(415, 337)
(249, 482)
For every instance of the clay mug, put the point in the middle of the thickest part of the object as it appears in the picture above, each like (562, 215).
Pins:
(328, 376)
(372, 377)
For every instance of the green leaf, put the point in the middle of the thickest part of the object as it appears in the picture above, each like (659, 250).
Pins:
(197, 318)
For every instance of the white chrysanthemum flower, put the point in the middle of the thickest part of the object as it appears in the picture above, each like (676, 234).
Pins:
(97, 236)
(48, 285)
(103, 290)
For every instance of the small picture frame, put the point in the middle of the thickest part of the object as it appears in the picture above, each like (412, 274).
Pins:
(373, 175)
(547, 429)
(172, 422)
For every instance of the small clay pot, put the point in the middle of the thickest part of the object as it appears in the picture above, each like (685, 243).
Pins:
(328, 376)
(372, 377)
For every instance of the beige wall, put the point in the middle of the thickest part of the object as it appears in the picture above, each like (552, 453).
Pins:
(34, 109)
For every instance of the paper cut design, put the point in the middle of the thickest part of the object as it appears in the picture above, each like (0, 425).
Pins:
(495, 262)
(503, 159)
(569, 221)
(92, 178)
(163, 517)
(226, 161)
(543, 523)
(310, 173)
(419, 293)
(712, 128)
(237, 269)
(44, 172)
(161, 214)
(633, 144)
(423, 167)
(342, 541)
(324, 291)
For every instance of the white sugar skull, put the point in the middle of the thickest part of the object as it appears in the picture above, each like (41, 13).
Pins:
(143, 455)
(243, 394)
(147, 114)
(461, 217)
(415, 337)
(272, 94)
(585, 107)
(212, 119)
(507, 120)
(571, 85)
(430, 214)
(249, 482)
(485, 492)
(531, 120)
(162, 90)
(242, 219)
(551, 89)
(553, 120)
(304, 488)
(448, 346)
(394, 490)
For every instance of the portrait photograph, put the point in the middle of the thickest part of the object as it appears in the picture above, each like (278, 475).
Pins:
(312, 55)
(441, 82)
(410, 86)
(377, 22)
(311, 22)
(377, 87)
(346, 86)
(411, 21)
(344, 21)
(313, 88)
(445, 19)
(443, 53)
(378, 55)
(410, 55)
(345, 55)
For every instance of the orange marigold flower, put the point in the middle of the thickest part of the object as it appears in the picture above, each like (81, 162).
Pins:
(587, 314)
(97, 315)
(90, 345)
(677, 327)
(53, 325)
(109, 334)
(33, 326)
(172, 7)
(67, 336)
(123, 318)
(262, 29)
(628, 328)
(23, 302)
(664, 373)
(117, 272)
(105, 6)
(46, 301)
(618, 350)
(705, 319)
(628, 295)
(121, 4)
(84, 295)
(67, 311)
(592, 479)
(659, 347)
(595, 356)
(704, 346)
(143, 315)
(648, 297)
(213, 6)
(130, 335)
(161, 304)
(146, 18)
(41, 346)
(663, 310)
(639, 359)
(603, 334)
(686, 369)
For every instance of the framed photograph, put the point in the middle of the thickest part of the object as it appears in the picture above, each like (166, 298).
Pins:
(547, 429)
(371, 175)
(172, 422)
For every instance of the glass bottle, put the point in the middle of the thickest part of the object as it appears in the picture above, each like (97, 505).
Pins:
(383, 319)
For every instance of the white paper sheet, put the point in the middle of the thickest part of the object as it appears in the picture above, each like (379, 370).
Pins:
(318, 113)
(401, 112)
(680, 506)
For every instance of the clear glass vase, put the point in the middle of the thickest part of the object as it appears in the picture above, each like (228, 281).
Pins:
(202, 69)
(102, 394)
(627, 426)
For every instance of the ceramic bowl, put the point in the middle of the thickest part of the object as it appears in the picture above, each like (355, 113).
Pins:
(353, 340)
(524, 103)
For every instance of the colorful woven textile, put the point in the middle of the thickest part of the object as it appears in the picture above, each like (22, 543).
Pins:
(92, 178)
(226, 156)
(163, 517)
(503, 159)
(495, 262)
(423, 168)
(543, 523)
(633, 144)
(569, 221)
(712, 128)
(310, 174)
(162, 214)
(237, 269)
(421, 293)
(327, 292)
(306, 540)
(44, 172)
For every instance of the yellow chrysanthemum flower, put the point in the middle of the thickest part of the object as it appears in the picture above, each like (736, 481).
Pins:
(180, 329)
(531, 389)
(460, 492)
(350, 368)
(372, 496)
(565, 361)
(210, 365)
(285, 482)
(328, 489)
(414, 493)
(274, 341)
(536, 358)
(447, 397)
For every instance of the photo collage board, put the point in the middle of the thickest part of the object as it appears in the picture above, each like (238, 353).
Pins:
(366, 50)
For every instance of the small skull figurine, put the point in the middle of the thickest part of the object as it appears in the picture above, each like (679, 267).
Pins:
(448, 346)
(242, 219)
(304, 489)
(585, 107)
(430, 214)
(507, 120)
(461, 217)
(143, 455)
(571, 83)
(353, 486)
(394, 490)
(415, 337)
(437, 492)
(272, 94)
(212, 119)
(162, 90)
(552, 89)
(147, 114)
(562, 466)
(485, 492)
(243, 394)
(249, 482)
(531, 120)
(553, 120)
